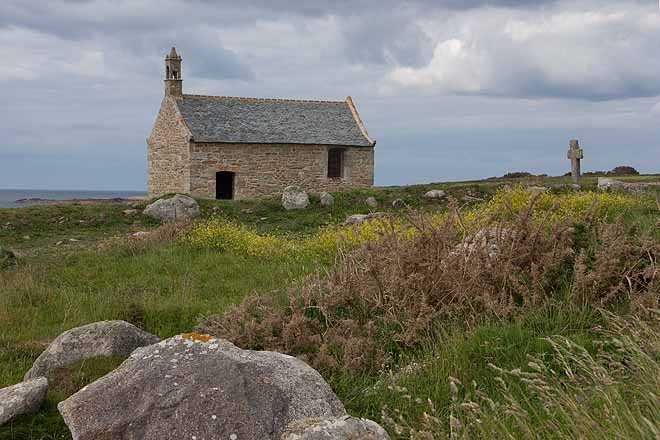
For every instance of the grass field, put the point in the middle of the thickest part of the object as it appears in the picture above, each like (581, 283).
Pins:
(167, 286)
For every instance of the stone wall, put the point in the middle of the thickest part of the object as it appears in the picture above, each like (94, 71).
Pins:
(168, 153)
(266, 169)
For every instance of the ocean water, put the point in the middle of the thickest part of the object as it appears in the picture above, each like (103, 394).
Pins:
(9, 197)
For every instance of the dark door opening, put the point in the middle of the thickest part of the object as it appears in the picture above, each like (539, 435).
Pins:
(224, 185)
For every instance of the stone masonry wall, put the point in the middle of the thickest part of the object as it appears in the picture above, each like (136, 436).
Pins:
(266, 169)
(168, 153)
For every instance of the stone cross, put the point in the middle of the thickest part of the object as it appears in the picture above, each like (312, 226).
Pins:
(575, 153)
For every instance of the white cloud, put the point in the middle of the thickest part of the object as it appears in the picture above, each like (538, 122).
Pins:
(560, 51)
(454, 65)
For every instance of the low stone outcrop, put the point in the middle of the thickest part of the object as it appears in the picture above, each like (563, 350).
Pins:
(105, 338)
(399, 204)
(471, 199)
(435, 194)
(605, 183)
(179, 208)
(335, 428)
(371, 202)
(359, 218)
(197, 387)
(294, 197)
(486, 241)
(567, 187)
(327, 199)
(21, 399)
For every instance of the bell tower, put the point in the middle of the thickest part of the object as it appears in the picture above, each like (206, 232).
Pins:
(173, 81)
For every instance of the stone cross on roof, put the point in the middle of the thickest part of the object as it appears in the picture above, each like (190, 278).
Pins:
(575, 153)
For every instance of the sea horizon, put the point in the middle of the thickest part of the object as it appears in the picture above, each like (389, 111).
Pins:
(9, 196)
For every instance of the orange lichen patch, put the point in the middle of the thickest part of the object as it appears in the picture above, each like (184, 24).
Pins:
(198, 337)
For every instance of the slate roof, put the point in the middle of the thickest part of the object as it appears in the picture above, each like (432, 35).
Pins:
(272, 121)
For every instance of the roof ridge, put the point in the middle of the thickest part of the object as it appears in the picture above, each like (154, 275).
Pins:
(245, 98)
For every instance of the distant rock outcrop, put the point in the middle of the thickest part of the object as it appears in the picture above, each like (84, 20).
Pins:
(197, 387)
(326, 199)
(372, 202)
(486, 241)
(175, 209)
(105, 338)
(131, 212)
(567, 187)
(435, 194)
(359, 218)
(605, 183)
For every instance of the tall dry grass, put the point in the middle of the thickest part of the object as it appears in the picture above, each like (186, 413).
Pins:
(387, 295)
(569, 393)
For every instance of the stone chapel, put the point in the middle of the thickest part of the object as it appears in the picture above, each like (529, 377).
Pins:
(235, 148)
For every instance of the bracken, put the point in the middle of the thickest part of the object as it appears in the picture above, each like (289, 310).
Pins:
(387, 294)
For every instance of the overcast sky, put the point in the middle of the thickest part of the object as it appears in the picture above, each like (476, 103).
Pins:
(450, 89)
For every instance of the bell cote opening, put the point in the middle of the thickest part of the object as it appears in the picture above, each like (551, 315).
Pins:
(173, 86)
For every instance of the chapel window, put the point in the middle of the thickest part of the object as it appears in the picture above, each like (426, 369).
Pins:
(335, 162)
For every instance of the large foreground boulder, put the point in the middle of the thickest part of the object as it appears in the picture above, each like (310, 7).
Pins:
(105, 338)
(21, 399)
(294, 198)
(335, 428)
(198, 387)
(179, 208)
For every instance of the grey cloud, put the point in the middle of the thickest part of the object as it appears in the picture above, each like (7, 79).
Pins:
(203, 52)
(215, 62)
(75, 18)
(348, 7)
(386, 37)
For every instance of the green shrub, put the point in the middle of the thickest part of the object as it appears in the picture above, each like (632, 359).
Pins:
(517, 175)
(623, 171)
(7, 258)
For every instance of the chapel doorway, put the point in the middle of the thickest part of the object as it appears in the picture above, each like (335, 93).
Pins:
(224, 185)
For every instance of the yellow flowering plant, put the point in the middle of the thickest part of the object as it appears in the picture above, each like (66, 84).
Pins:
(226, 235)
